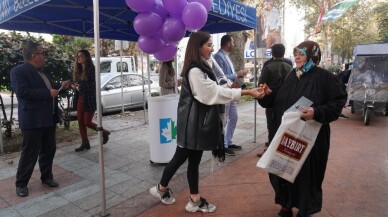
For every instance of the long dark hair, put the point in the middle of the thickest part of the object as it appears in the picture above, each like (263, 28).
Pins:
(196, 41)
(169, 66)
(80, 72)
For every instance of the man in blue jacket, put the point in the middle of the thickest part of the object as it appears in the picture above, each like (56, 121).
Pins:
(37, 110)
(226, 65)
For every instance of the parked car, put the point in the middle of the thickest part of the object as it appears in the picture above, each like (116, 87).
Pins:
(117, 64)
(132, 91)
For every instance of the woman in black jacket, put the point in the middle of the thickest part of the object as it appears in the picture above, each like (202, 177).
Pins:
(85, 97)
(198, 119)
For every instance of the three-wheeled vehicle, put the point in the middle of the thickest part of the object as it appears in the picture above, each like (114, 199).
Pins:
(368, 83)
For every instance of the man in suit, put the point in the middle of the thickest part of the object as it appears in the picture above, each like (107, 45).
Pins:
(37, 110)
(228, 71)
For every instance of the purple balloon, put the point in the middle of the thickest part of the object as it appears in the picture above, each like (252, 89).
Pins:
(166, 53)
(147, 23)
(150, 44)
(159, 9)
(140, 6)
(173, 29)
(174, 7)
(194, 16)
(206, 3)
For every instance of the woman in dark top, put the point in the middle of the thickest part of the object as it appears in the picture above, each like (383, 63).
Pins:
(85, 97)
(325, 90)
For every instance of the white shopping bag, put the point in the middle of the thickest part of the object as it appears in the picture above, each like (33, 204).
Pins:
(290, 146)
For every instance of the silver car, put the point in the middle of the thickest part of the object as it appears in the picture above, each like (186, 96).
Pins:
(133, 96)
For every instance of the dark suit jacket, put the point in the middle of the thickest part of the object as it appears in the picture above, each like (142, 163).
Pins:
(35, 104)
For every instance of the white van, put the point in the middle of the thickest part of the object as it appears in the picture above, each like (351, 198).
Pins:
(112, 64)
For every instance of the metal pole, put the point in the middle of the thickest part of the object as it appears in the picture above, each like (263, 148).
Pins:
(142, 75)
(255, 80)
(1, 138)
(96, 16)
(121, 79)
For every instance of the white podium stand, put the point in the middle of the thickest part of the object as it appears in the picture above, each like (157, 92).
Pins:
(162, 115)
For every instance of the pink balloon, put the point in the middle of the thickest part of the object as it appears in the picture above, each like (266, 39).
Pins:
(140, 6)
(194, 16)
(173, 29)
(150, 44)
(206, 3)
(174, 7)
(147, 23)
(166, 53)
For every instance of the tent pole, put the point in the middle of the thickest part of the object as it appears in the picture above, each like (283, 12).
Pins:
(142, 75)
(149, 85)
(255, 80)
(121, 79)
(96, 16)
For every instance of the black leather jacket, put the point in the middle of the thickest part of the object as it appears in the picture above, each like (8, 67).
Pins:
(198, 124)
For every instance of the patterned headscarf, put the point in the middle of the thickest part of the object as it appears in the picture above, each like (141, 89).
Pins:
(312, 51)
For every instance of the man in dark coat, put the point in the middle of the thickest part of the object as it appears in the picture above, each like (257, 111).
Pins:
(325, 91)
(274, 71)
(37, 107)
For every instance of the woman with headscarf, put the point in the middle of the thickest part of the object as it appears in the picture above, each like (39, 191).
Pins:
(325, 90)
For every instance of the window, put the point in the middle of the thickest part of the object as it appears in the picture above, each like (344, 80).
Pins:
(115, 82)
(105, 66)
(122, 64)
(135, 80)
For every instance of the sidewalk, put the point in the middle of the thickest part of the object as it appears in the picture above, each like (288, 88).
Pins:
(355, 183)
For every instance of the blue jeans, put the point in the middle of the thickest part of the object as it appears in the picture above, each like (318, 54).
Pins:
(231, 122)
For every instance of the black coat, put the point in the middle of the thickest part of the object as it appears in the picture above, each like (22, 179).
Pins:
(328, 96)
(198, 124)
(87, 89)
(36, 108)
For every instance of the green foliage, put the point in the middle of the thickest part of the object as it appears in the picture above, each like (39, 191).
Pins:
(58, 64)
(350, 30)
(382, 21)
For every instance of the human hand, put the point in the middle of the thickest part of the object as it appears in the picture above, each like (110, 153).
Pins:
(75, 86)
(307, 114)
(65, 84)
(179, 81)
(241, 73)
(266, 89)
(54, 92)
(257, 93)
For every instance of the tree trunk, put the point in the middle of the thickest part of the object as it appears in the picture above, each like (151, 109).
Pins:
(237, 54)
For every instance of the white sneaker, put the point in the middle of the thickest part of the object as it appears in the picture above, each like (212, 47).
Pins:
(201, 205)
(163, 196)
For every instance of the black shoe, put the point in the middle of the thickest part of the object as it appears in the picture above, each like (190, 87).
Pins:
(50, 183)
(235, 147)
(22, 191)
(229, 152)
(84, 145)
(105, 136)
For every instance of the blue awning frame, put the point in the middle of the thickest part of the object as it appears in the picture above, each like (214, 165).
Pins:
(75, 17)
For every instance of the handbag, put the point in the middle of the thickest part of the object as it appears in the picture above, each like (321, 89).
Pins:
(290, 146)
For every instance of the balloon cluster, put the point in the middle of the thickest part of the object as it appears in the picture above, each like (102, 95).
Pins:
(161, 24)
